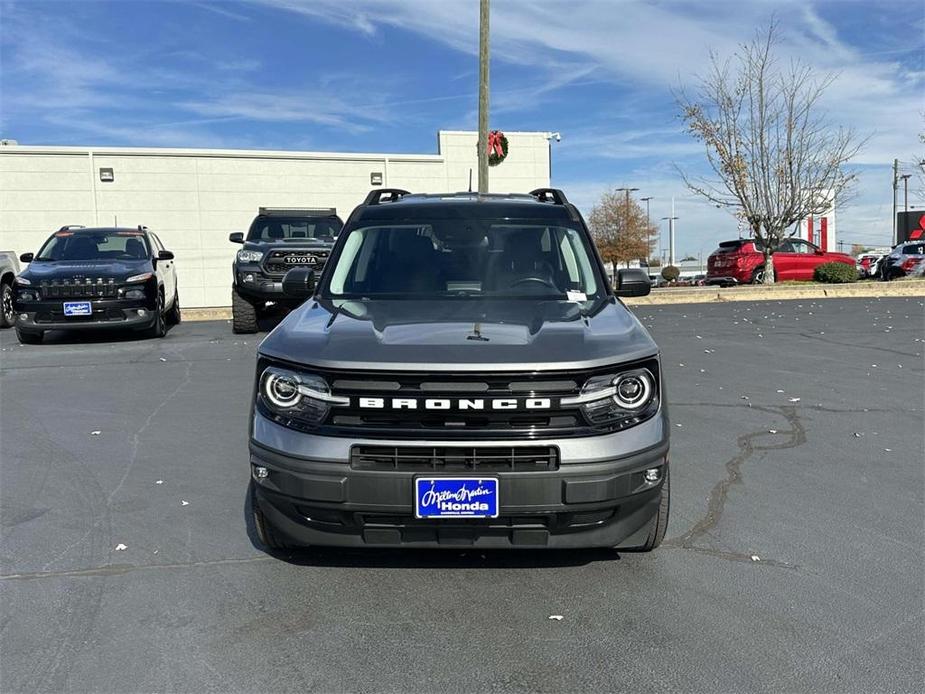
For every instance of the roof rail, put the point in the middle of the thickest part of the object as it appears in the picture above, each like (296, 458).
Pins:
(297, 211)
(553, 195)
(390, 194)
(68, 227)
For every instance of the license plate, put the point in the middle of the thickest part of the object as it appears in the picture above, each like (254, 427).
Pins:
(456, 497)
(77, 308)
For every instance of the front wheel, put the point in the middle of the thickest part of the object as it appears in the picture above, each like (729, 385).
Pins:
(7, 317)
(159, 327)
(29, 337)
(657, 532)
(758, 276)
(266, 532)
(173, 315)
(243, 315)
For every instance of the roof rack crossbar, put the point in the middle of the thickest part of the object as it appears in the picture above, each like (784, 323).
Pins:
(553, 195)
(376, 196)
(296, 211)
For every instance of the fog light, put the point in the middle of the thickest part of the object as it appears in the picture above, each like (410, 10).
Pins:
(260, 472)
(23, 316)
(141, 312)
(248, 277)
(653, 474)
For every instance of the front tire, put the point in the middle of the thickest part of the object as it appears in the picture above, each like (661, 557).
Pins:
(243, 315)
(159, 327)
(173, 315)
(29, 337)
(7, 316)
(267, 533)
(758, 276)
(657, 532)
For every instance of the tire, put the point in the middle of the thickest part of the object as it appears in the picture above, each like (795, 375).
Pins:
(758, 275)
(29, 337)
(657, 533)
(159, 328)
(7, 315)
(267, 533)
(173, 315)
(243, 315)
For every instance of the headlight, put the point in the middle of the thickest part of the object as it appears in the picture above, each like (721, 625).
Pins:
(245, 256)
(140, 278)
(621, 399)
(292, 397)
(28, 295)
(134, 293)
(22, 281)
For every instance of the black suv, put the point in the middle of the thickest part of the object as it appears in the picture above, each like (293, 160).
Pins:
(278, 240)
(84, 279)
(462, 374)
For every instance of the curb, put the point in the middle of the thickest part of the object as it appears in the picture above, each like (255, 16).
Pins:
(702, 295)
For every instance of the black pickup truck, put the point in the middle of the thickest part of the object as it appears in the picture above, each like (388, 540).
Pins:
(278, 240)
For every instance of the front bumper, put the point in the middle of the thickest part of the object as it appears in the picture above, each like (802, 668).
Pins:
(107, 313)
(597, 498)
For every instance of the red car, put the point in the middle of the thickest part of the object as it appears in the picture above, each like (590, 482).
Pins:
(742, 261)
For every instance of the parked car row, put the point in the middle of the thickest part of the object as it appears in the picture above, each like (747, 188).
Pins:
(905, 260)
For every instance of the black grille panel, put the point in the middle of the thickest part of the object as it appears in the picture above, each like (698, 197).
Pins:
(79, 288)
(276, 262)
(455, 458)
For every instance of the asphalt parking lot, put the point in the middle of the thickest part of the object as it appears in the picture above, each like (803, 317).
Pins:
(794, 559)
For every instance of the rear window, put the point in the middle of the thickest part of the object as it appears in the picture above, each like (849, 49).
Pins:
(746, 245)
(914, 249)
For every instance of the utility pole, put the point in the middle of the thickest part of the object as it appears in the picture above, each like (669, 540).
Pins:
(906, 178)
(895, 180)
(483, 95)
(626, 210)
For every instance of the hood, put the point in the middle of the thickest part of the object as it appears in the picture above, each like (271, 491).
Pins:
(462, 335)
(60, 269)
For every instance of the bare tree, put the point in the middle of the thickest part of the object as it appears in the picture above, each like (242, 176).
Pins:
(776, 158)
(618, 225)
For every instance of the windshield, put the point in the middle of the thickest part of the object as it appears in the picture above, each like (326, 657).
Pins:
(93, 245)
(283, 228)
(448, 258)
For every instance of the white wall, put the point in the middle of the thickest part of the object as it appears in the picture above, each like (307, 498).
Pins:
(193, 198)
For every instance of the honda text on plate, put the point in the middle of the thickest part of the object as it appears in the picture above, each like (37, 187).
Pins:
(85, 279)
(461, 374)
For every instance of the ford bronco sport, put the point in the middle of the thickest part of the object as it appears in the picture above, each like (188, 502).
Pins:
(462, 374)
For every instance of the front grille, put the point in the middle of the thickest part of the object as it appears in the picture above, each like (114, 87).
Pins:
(455, 459)
(79, 288)
(276, 262)
(455, 422)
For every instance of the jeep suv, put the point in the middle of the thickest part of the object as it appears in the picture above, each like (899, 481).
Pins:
(278, 240)
(462, 374)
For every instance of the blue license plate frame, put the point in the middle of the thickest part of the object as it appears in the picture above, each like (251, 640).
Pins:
(77, 308)
(456, 497)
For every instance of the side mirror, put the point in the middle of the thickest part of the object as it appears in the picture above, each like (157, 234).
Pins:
(27, 257)
(632, 282)
(236, 237)
(164, 255)
(819, 251)
(299, 283)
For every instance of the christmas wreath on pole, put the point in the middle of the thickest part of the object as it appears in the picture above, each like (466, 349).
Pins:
(497, 147)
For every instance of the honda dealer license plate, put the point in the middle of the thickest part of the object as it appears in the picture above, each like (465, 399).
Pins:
(455, 497)
(77, 308)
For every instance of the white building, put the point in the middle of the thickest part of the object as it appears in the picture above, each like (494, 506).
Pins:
(193, 198)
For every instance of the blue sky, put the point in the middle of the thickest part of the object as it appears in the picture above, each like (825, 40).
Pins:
(385, 75)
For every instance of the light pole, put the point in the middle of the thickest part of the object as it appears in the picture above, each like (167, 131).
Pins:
(549, 138)
(671, 221)
(626, 210)
(906, 178)
(653, 243)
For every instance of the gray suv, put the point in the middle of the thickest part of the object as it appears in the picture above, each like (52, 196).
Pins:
(461, 374)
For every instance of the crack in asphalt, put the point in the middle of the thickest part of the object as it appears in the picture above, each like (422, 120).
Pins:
(122, 569)
(796, 436)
